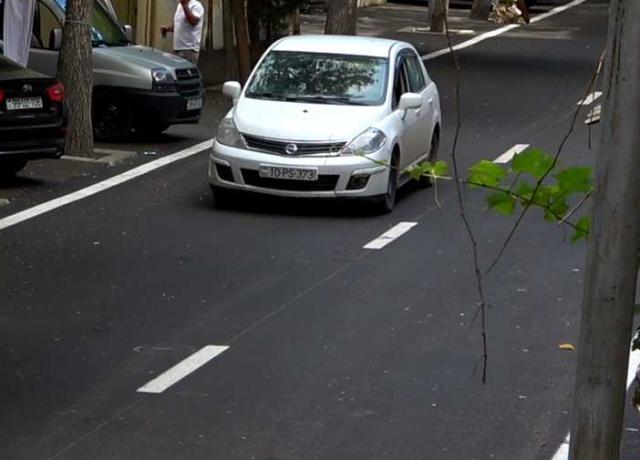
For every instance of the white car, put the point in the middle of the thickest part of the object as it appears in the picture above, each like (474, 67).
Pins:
(328, 116)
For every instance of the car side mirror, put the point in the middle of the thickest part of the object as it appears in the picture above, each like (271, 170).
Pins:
(128, 32)
(55, 39)
(410, 101)
(232, 89)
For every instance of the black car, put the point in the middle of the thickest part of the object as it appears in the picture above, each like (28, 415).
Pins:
(33, 121)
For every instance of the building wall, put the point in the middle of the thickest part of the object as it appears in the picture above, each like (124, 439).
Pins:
(148, 16)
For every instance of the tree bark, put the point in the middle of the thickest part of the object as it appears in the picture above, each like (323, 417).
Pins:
(230, 57)
(342, 16)
(612, 257)
(295, 21)
(75, 71)
(438, 10)
(239, 12)
(480, 9)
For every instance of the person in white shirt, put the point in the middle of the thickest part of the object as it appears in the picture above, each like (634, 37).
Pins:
(187, 29)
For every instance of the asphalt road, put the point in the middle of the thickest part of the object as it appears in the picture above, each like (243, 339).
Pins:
(335, 351)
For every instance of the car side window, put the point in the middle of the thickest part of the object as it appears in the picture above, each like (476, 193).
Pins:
(43, 24)
(416, 76)
(401, 84)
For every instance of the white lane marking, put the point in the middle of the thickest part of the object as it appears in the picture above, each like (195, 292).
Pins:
(101, 186)
(591, 98)
(634, 361)
(507, 156)
(500, 31)
(182, 369)
(392, 234)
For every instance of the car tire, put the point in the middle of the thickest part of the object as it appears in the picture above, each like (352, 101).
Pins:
(433, 156)
(384, 204)
(151, 127)
(10, 168)
(222, 197)
(112, 119)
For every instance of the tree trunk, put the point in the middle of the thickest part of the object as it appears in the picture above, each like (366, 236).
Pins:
(480, 9)
(612, 257)
(230, 58)
(438, 14)
(295, 21)
(342, 16)
(75, 71)
(239, 12)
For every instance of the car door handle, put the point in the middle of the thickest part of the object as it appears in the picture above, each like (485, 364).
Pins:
(430, 101)
(418, 112)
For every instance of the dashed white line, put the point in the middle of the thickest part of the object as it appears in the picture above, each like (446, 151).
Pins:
(390, 235)
(101, 186)
(182, 369)
(591, 98)
(634, 361)
(507, 156)
(500, 31)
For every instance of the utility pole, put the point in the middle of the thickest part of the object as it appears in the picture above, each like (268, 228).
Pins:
(614, 243)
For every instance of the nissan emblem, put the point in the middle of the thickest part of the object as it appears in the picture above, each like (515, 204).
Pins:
(291, 149)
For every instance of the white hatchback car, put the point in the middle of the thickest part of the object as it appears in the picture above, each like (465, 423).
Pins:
(324, 116)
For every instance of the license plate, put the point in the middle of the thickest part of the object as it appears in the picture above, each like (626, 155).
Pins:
(24, 103)
(279, 172)
(194, 104)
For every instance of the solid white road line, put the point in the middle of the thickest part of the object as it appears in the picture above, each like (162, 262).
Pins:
(102, 186)
(182, 369)
(390, 235)
(634, 361)
(591, 98)
(507, 156)
(500, 31)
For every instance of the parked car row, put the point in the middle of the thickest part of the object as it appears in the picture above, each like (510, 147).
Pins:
(135, 87)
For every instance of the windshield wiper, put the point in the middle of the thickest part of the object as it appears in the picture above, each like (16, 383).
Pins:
(324, 99)
(267, 95)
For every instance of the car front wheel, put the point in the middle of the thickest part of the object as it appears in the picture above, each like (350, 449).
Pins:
(384, 204)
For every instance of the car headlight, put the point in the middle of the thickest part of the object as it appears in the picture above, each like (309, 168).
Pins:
(366, 143)
(228, 134)
(161, 75)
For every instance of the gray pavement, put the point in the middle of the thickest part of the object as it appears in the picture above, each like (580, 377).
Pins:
(335, 352)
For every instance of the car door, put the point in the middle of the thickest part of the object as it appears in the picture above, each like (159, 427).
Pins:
(41, 57)
(424, 116)
(410, 124)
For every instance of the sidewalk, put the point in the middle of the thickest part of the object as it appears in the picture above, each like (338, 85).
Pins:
(408, 23)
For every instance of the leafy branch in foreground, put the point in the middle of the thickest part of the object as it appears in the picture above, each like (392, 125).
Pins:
(512, 186)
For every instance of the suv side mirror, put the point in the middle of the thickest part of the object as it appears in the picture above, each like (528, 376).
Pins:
(232, 89)
(55, 39)
(128, 32)
(410, 101)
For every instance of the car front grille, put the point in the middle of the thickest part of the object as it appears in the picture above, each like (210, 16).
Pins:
(325, 182)
(189, 83)
(302, 148)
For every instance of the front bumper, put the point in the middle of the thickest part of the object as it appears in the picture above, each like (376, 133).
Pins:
(236, 168)
(170, 108)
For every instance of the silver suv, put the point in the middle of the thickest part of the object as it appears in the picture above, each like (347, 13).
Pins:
(135, 87)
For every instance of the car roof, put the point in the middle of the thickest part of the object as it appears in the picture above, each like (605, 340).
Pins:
(338, 44)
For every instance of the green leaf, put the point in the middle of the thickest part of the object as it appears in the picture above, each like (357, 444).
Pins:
(582, 229)
(532, 161)
(502, 202)
(441, 168)
(577, 179)
(416, 171)
(486, 173)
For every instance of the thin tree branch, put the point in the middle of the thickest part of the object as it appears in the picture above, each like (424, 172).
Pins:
(575, 208)
(461, 208)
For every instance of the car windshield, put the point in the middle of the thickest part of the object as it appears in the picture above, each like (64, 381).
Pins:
(320, 78)
(104, 30)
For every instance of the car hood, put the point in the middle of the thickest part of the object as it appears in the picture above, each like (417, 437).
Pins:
(144, 56)
(309, 122)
